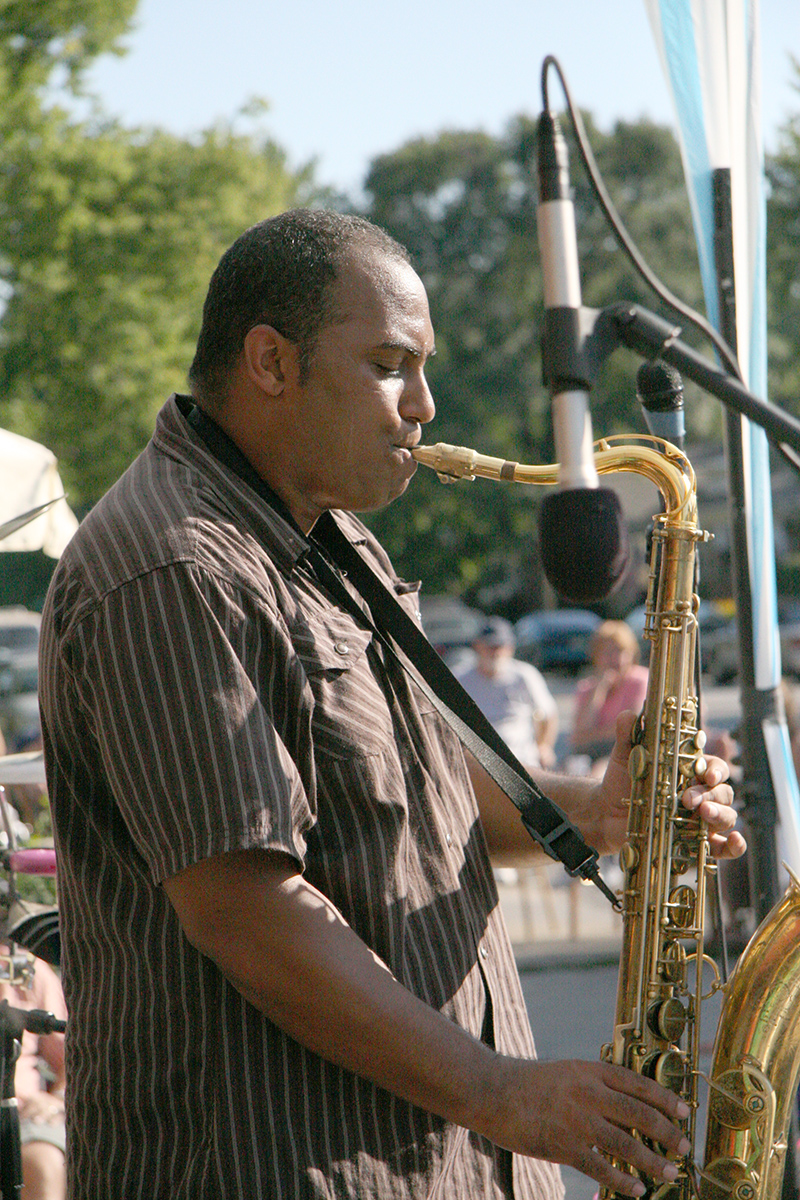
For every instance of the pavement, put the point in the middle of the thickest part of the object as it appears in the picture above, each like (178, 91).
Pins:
(553, 919)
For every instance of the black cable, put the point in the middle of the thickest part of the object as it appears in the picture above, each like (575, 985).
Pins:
(623, 237)
(725, 351)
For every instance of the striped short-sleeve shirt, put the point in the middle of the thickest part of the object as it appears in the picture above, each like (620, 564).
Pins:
(202, 694)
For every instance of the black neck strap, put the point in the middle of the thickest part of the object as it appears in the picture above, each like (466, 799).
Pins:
(329, 549)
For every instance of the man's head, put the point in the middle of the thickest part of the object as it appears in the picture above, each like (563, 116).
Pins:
(494, 645)
(328, 413)
(279, 273)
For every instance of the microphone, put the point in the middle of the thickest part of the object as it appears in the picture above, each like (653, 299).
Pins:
(660, 390)
(582, 535)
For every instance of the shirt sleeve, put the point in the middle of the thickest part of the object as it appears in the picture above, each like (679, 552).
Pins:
(180, 677)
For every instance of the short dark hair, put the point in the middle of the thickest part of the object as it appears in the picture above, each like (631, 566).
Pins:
(280, 273)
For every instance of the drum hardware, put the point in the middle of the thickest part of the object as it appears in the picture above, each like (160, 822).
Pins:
(28, 929)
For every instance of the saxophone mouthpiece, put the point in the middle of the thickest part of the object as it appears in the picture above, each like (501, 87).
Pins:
(459, 462)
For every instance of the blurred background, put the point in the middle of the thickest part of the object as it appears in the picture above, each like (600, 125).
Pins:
(139, 137)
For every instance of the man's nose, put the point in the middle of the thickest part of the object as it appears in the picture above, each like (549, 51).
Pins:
(417, 402)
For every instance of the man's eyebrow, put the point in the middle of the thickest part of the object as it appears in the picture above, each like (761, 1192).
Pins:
(407, 348)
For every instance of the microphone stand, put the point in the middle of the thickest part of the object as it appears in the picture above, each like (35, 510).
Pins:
(13, 1023)
(630, 325)
(650, 336)
(10, 1148)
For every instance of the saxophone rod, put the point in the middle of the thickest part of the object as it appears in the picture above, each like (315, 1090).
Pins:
(662, 463)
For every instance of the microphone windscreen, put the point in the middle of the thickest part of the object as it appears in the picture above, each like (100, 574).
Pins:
(660, 390)
(583, 542)
(659, 386)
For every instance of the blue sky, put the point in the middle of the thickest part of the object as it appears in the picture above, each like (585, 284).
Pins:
(351, 79)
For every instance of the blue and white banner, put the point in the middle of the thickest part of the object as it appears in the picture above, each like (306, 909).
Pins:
(710, 54)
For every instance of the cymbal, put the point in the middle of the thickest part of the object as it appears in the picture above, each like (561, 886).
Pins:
(22, 768)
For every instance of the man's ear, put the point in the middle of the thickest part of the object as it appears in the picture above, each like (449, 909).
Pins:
(270, 360)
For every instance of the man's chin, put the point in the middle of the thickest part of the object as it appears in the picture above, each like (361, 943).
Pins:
(376, 503)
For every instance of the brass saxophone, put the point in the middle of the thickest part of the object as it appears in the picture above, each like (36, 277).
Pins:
(665, 975)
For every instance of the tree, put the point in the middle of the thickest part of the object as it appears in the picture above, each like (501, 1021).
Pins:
(107, 240)
(465, 205)
(38, 36)
(113, 245)
(783, 276)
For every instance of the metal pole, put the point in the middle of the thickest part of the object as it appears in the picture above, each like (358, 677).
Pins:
(760, 812)
(760, 809)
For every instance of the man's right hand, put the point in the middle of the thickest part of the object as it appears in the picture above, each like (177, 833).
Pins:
(292, 955)
(581, 1114)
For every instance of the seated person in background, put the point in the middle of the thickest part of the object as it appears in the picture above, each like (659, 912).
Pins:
(616, 684)
(39, 1087)
(512, 695)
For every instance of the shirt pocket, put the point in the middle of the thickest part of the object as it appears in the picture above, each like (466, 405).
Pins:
(351, 716)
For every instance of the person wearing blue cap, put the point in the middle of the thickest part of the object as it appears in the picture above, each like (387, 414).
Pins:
(512, 695)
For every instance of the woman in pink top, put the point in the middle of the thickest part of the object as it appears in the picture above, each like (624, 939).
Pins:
(618, 683)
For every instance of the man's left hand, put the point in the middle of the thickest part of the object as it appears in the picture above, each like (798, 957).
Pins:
(711, 797)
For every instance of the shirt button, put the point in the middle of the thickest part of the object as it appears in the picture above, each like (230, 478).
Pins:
(484, 953)
(341, 647)
(448, 837)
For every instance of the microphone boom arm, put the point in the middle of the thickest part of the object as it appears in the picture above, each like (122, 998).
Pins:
(630, 325)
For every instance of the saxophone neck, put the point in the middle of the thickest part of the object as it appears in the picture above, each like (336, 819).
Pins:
(662, 463)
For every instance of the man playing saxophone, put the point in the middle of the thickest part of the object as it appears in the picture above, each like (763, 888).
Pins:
(284, 959)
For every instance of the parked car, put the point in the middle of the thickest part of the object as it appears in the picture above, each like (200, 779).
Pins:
(451, 627)
(19, 672)
(557, 640)
(714, 620)
(721, 650)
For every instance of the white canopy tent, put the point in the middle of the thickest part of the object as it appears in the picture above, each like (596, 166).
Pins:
(30, 480)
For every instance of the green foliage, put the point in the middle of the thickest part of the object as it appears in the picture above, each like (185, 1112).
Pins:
(107, 240)
(108, 237)
(39, 36)
(783, 239)
(465, 205)
(109, 249)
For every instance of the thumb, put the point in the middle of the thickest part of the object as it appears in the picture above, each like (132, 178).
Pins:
(623, 732)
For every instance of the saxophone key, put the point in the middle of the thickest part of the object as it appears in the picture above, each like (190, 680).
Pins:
(700, 766)
(628, 857)
(638, 763)
(667, 1067)
(682, 859)
(673, 963)
(667, 1019)
(681, 907)
(729, 1178)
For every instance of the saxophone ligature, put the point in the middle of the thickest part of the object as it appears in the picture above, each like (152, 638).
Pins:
(665, 974)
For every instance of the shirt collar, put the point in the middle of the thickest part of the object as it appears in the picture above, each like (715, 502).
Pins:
(239, 483)
(290, 543)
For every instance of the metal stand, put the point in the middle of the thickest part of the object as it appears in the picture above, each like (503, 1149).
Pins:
(13, 1023)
